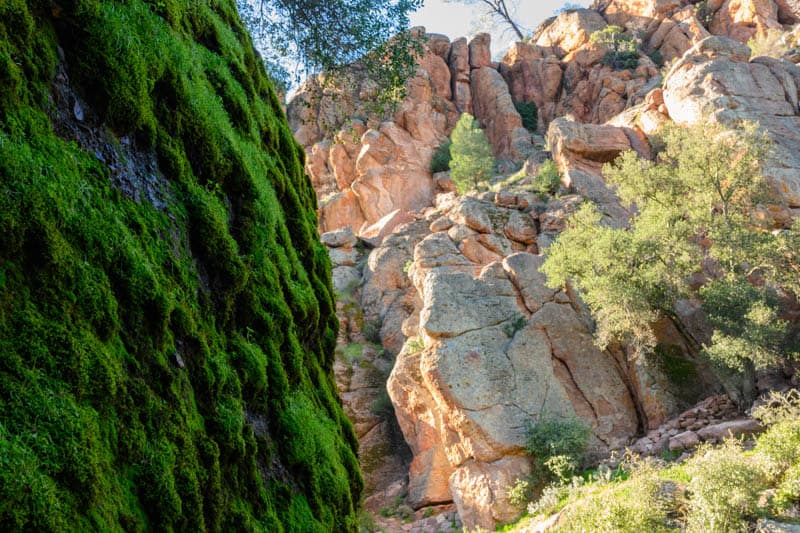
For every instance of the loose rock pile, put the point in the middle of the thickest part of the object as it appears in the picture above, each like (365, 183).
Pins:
(711, 420)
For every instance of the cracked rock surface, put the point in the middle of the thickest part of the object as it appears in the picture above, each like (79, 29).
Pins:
(491, 350)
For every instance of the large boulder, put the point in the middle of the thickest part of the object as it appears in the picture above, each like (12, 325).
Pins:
(495, 109)
(741, 19)
(494, 349)
(716, 80)
(569, 31)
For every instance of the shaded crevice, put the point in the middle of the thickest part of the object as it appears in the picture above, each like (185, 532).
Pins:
(568, 371)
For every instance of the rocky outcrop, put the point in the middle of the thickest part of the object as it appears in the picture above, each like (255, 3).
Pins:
(360, 368)
(580, 150)
(562, 72)
(493, 106)
(365, 169)
(490, 348)
(717, 81)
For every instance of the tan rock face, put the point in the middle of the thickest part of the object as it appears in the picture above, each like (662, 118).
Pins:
(495, 109)
(480, 54)
(494, 348)
(741, 19)
(563, 72)
(459, 75)
(364, 172)
(569, 31)
(481, 490)
(580, 150)
(716, 81)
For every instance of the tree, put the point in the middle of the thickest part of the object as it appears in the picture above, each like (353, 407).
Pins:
(499, 10)
(623, 51)
(472, 160)
(298, 38)
(695, 223)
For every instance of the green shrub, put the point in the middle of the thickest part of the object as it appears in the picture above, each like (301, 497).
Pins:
(472, 161)
(548, 178)
(558, 446)
(637, 505)
(656, 57)
(623, 51)
(788, 492)
(529, 114)
(724, 489)
(520, 492)
(440, 162)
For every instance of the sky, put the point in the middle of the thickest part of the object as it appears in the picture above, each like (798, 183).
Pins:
(455, 19)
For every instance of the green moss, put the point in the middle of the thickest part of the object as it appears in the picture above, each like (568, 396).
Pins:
(161, 368)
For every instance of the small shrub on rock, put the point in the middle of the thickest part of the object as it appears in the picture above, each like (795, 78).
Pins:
(441, 158)
(558, 446)
(548, 178)
(623, 51)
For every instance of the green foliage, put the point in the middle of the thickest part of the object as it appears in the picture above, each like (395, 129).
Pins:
(472, 160)
(440, 162)
(529, 114)
(520, 492)
(636, 505)
(415, 345)
(695, 206)
(548, 178)
(657, 57)
(514, 325)
(623, 51)
(558, 446)
(306, 37)
(724, 488)
(163, 365)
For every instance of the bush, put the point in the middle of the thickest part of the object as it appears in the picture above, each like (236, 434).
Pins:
(472, 160)
(440, 162)
(548, 178)
(724, 487)
(639, 504)
(529, 114)
(623, 51)
(558, 446)
(656, 57)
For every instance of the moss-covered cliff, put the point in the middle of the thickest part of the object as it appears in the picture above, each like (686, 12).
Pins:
(166, 317)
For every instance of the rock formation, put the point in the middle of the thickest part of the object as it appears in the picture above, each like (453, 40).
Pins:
(717, 80)
(477, 345)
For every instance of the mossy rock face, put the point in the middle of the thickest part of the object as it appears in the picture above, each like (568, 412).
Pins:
(167, 323)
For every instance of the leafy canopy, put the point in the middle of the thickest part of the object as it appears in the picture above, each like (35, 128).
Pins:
(472, 160)
(695, 225)
(298, 38)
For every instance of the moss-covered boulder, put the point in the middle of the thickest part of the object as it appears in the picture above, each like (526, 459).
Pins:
(166, 318)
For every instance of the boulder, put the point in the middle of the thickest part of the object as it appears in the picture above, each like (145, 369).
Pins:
(569, 31)
(731, 428)
(716, 81)
(339, 238)
(495, 109)
(481, 491)
(741, 19)
(458, 62)
(480, 54)
(684, 441)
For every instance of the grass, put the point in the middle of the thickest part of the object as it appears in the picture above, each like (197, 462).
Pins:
(102, 295)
